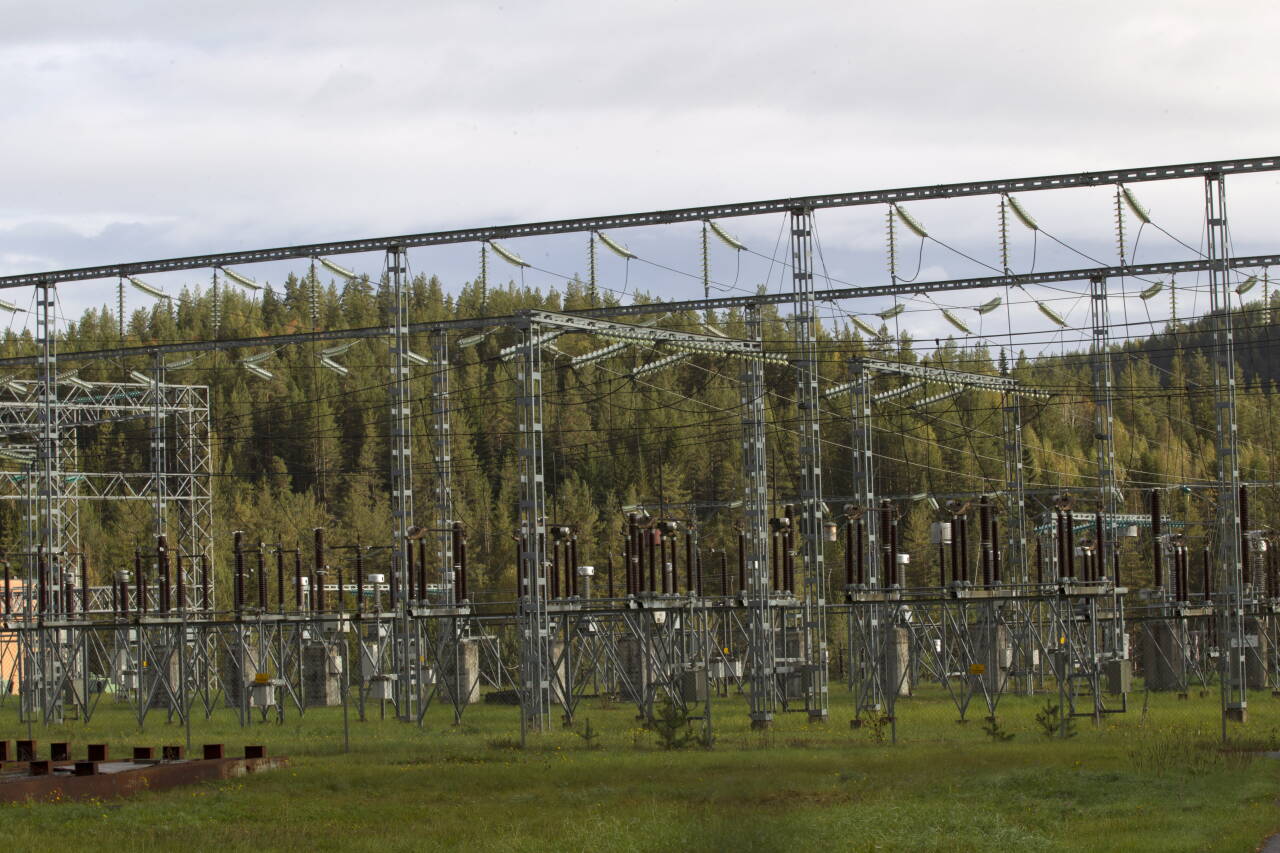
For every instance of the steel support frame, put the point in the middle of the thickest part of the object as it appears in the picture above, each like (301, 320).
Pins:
(534, 620)
(1103, 382)
(442, 459)
(1000, 186)
(1231, 633)
(808, 400)
(400, 444)
(760, 645)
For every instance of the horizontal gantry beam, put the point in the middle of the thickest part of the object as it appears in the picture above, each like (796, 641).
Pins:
(975, 283)
(729, 302)
(656, 217)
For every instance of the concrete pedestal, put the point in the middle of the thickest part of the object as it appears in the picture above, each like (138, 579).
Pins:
(460, 669)
(895, 662)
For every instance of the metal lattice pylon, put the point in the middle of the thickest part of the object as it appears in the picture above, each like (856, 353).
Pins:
(807, 402)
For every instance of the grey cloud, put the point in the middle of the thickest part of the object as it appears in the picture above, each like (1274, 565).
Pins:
(246, 124)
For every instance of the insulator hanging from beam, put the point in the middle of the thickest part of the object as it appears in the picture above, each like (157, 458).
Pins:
(10, 307)
(74, 381)
(148, 289)
(988, 307)
(340, 349)
(712, 330)
(841, 389)
(260, 372)
(892, 312)
(898, 392)
(258, 357)
(766, 357)
(1138, 210)
(938, 398)
(654, 366)
(1051, 314)
(864, 326)
(910, 221)
(956, 321)
(334, 366)
(1246, 285)
(472, 340)
(723, 235)
(614, 246)
(1046, 310)
(242, 280)
(420, 360)
(1021, 212)
(508, 255)
(1151, 291)
(508, 353)
(597, 354)
(337, 269)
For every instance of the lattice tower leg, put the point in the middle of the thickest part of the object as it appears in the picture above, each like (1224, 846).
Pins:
(864, 474)
(442, 493)
(814, 606)
(1231, 634)
(1016, 488)
(158, 459)
(192, 489)
(535, 623)
(760, 648)
(1104, 432)
(400, 444)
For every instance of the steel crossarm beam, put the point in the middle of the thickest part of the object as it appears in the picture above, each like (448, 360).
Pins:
(754, 300)
(936, 374)
(656, 217)
(360, 333)
(623, 331)
(1162, 268)
(98, 486)
(107, 399)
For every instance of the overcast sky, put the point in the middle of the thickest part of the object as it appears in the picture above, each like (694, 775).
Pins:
(138, 130)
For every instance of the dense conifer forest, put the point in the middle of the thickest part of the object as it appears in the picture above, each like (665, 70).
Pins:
(308, 447)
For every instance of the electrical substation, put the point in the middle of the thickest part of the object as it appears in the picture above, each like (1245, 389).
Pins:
(802, 589)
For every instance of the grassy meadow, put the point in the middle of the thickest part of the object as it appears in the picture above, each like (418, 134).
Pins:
(1154, 778)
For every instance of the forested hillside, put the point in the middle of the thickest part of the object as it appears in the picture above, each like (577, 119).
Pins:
(308, 447)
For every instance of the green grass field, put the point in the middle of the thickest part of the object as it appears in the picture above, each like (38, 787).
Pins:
(1156, 781)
